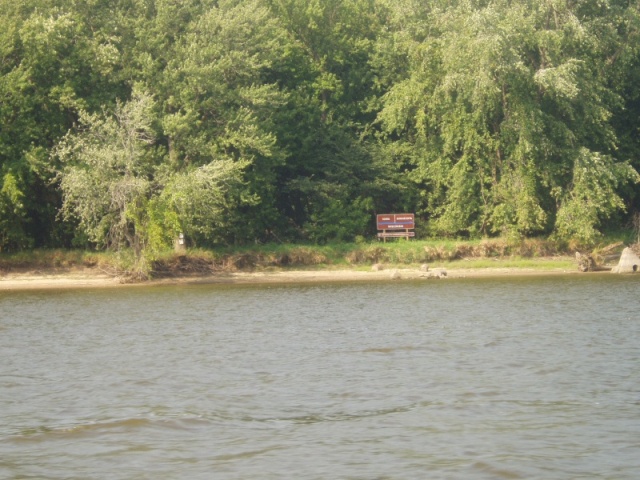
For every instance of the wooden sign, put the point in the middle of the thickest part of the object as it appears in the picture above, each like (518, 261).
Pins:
(396, 221)
(394, 225)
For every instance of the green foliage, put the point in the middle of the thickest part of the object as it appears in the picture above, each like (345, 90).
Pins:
(341, 222)
(296, 119)
(12, 214)
(199, 201)
(495, 101)
(124, 197)
(107, 175)
(592, 196)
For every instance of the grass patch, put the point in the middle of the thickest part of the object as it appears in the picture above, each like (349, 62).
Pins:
(517, 262)
(57, 259)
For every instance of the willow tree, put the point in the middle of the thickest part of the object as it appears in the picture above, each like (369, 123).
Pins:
(115, 185)
(108, 172)
(506, 111)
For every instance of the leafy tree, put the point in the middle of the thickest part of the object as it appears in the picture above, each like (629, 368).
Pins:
(107, 179)
(592, 195)
(331, 163)
(15, 135)
(218, 102)
(52, 64)
(116, 186)
(304, 118)
(498, 103)
(200, 201)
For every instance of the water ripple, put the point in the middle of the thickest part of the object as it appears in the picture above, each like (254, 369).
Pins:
(511, 378)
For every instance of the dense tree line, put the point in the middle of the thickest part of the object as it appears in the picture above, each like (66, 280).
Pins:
(123, 123)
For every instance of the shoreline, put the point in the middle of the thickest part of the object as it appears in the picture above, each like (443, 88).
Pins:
(87, 278)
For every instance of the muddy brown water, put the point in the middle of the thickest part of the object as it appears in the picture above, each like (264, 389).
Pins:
(474, 379)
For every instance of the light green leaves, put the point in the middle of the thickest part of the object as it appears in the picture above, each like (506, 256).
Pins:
(107, 175)
(476, 115)
(592, 195)
(559, 81)
(205, 198)
(497, 113)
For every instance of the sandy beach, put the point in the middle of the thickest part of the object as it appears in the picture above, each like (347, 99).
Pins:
(91, 278)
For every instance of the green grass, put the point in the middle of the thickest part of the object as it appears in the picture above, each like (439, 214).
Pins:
(516, 262)
(56, 259)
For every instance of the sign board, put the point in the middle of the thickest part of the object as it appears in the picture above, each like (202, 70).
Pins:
(395, 225)
(396, 221)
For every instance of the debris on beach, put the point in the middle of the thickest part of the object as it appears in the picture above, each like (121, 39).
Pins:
(438, 273)
(586, 263)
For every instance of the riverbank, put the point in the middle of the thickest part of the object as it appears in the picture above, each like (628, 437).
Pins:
(291, 263)
(95, 278)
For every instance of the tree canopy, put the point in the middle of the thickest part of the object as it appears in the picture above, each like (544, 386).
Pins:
(237, 121)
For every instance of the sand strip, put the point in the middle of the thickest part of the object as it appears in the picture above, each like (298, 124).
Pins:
(69, 280)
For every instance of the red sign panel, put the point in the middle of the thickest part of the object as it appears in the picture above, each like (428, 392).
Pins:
(395, 221)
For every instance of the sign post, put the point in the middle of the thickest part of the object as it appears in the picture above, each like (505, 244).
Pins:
(395, 225)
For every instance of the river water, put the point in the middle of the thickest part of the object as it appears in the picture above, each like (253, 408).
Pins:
(472, 379)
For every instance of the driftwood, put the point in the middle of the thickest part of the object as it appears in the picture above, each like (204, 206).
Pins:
(609, 249)
(599, 258)
(586, 263)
